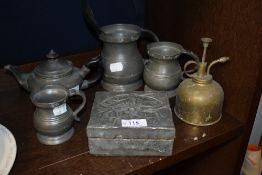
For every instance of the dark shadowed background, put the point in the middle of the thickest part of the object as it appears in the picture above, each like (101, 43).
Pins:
(29, 28)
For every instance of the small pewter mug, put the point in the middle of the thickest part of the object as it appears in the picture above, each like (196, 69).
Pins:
(53, 118)
(162, 71)
(123, 64)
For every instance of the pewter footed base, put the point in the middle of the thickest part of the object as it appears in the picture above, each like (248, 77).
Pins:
(122, 87)
(48, 140)
(170, 93)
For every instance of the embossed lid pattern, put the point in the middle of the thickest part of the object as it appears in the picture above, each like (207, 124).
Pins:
(110, 108)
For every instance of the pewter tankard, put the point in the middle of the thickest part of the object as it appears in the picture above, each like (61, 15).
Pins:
(53, 118)
(122, 62)
(162, 70)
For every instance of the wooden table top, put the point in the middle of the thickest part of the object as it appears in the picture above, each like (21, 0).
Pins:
(72, 157)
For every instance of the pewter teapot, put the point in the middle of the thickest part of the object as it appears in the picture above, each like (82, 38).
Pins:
(55, 71)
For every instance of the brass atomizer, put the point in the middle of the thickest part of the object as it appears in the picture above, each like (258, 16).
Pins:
(199, 98)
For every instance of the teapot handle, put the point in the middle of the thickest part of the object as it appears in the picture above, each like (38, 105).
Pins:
(93, 61)
(80, 93)
(92, 81)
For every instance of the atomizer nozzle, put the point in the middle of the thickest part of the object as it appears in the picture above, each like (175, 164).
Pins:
(205, 42)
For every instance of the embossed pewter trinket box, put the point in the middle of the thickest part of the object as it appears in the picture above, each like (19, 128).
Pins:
(131, 124)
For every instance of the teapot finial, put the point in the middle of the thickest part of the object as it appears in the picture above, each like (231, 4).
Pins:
(52, 54)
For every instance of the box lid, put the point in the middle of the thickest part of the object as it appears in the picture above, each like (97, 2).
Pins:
(133, 115)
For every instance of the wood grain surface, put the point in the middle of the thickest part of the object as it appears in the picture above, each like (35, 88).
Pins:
(72, 157)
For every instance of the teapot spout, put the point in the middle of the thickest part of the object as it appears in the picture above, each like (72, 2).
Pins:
(20, 77)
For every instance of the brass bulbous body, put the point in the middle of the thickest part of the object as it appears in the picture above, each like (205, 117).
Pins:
(199, 103)
(199, 99)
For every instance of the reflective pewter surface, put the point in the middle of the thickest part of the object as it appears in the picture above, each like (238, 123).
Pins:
(56, 71)
(122, 62)
(107, 136)
(162, 71)
(53, 118)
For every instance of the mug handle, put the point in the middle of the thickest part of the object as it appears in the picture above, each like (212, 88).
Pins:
(151, 33)
(81, 106)
(191, 54)
(153, 36)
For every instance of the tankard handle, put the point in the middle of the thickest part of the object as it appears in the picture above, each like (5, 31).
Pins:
(191, 54)
(189, 72)
(80, 93)
(150, 32)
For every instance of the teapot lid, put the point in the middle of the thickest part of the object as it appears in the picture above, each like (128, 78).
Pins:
(54, 67)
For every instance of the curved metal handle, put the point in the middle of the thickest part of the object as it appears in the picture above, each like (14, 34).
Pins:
(196, 61)
(191, 54)
(189, 71)
(93, 61)
(89, 18)
(73, 92)
(150, 32)
(220, 60)
(92, 81)
(145, 61)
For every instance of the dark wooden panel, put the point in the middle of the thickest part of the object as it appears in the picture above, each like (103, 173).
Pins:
(235, 26)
